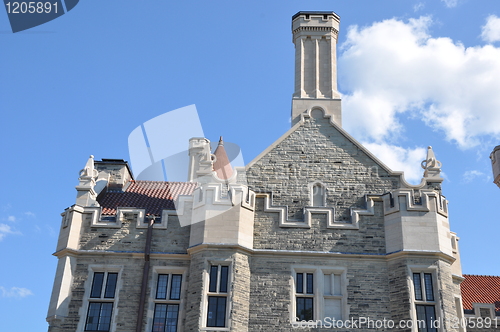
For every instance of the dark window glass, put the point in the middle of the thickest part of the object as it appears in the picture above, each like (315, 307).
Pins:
(105, 319)
(216, 316)
(165, 317)
(224, 271)
(175, 287)
(172, 315)
(159, 317)
(310, 283)
(426, 318)
(417, 286)
(300, 283)
(304, 308)
(429, 291)
(93, 317)
(109, 292)
(161, 289)
(97, 284)
(213, 279)
(99, 316)
(484, 312)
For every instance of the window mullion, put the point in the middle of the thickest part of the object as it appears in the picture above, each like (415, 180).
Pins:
(218, 278)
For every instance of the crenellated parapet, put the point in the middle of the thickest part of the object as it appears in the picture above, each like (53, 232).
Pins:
(408, 200)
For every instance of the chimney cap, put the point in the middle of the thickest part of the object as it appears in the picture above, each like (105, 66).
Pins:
(315, 13)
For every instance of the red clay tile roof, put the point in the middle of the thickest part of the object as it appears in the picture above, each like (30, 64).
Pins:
(154, 196)
(480, 289)
(222, 165)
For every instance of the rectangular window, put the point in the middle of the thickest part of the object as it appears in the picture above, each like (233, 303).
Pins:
(424, 301)
(305, 296)
(318, 294)
(429, 292)
(426, 315)
(167, 302)
(332, 296)
(217, 295)
(165, 317)
(101, 301)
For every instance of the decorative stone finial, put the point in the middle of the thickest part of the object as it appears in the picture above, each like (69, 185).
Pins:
(86, 195)
(431, 165)
(221, 141)
(89, 170)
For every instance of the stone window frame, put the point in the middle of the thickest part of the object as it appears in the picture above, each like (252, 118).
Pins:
(318, 295)
(423, 269)
(229, 295)
(87, 299)
(477, 310)
(458, 321)
(170, 270)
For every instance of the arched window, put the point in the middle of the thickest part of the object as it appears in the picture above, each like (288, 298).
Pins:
(318, 195)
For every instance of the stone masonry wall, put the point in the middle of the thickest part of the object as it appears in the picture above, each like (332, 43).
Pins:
(399, 280)
(239, 291)
(317, 151)
(271, 289)
(127, 292)
(368, 239)
(174, 239)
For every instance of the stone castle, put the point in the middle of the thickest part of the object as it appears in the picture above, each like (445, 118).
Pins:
(314, 231)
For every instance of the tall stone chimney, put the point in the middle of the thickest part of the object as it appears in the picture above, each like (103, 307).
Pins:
(315, 38)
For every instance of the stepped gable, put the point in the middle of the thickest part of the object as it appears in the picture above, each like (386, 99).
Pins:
(480, 289)
(153, 196)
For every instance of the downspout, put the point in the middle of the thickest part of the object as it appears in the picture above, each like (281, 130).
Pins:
(145, 274)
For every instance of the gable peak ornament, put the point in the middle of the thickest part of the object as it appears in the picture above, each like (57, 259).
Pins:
(431, 166)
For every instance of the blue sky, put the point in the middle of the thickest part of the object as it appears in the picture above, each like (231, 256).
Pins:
(412, 74)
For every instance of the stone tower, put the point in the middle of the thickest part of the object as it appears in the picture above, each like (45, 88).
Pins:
(315, 38)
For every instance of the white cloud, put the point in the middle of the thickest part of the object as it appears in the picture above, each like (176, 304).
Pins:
(17, 292)
(469, 176)
(11, 218)
(400, 159)
(450, 3)
(490, 32)
(6, 229)
(397, 69)
(418, 6)
(29, 214)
